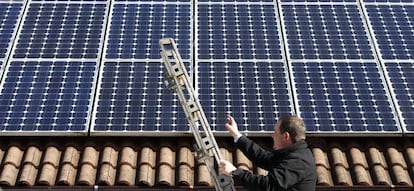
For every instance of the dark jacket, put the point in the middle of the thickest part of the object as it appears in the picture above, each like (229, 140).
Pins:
(290, 168)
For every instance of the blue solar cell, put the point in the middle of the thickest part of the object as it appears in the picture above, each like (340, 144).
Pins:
(401, 76)
(9, 14)
(244, 31)
(326, 32)
(135, 30)
(61, 30)
(389, 1)
(343, 97)
(393, 30)
(133, 97)
(254, 93)
(47, 96)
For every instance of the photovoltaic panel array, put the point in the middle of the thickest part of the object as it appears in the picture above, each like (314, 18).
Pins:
(61, 30)
(135, 30)
(133, 98)
(401, 76)
(9, 15)
(393, 27)
(49, 79)
(46, 97)
(343, 97)
(255, 93)
(238, 31)
(325, 31)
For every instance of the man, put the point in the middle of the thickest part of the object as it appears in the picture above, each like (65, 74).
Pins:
(290, 164)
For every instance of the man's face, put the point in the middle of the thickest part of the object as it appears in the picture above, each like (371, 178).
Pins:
(280, 140)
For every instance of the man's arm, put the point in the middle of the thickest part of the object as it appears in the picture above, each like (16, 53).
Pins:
(253, 151)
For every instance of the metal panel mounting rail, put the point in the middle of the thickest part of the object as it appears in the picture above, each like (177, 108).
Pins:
(178, 80)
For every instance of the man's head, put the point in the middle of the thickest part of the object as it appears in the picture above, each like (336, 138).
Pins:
(288, 130)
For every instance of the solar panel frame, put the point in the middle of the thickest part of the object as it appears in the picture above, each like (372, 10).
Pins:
(343, 56)
(13, 35)
(140, 118)
(379, 39)
(367, 90)
(246, 73)
(398, 75)
(240, 51)
(152, 46)
(16, 54)
(44, 87)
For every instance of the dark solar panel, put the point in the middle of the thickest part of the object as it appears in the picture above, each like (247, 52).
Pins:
(61, 30)
(319, 1)
(345, 97)
(135, 30)
(243, 31)
(393, 27)
(388, 1)
(132, 97)
(255, 93)
(46, 96)
(402, 82)
(9, 14)
(325, 31)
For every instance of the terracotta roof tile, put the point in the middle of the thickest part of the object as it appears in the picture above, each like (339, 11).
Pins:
(341, 167)
(88, 165)
(69, 168)
(128, 166)
(108, 166)
(379, 166)
(339, 162)
(167, 166)
(322, 167)
(30, 168)
(147, 167)
(11, 165)
(243, 162)
(186, 166)
(50, 165)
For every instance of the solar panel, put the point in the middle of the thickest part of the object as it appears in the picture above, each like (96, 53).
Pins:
(389, 1)
(401, 76)
(255, 93)
(325, 31)
(135, 30)
(132, 97)
(46, 97)
(319, 1)
(9, 15)
(393, 26)
(61, 30)
(238, 31)
(345, 97)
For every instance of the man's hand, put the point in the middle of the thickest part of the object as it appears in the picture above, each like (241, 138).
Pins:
(231, 126)
(225, 167)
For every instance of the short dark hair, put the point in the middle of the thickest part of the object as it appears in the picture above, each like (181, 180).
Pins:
(294, 126)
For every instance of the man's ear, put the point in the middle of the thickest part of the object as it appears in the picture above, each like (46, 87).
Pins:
(286, 135)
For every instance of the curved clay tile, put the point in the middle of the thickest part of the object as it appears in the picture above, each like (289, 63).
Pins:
(88, 166)
(50, 166)
(243, 162)
(322, 167)
(204, 177)
(167, 166)
(30, 168)
(11, 165)
(147, 167)
(379, 166)
(399, 167)
(360, 166)
(341, 166)
(108, 165)
(69, 166)
(185, 166)
(127, 166)
(409, 149)
(226, 154)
